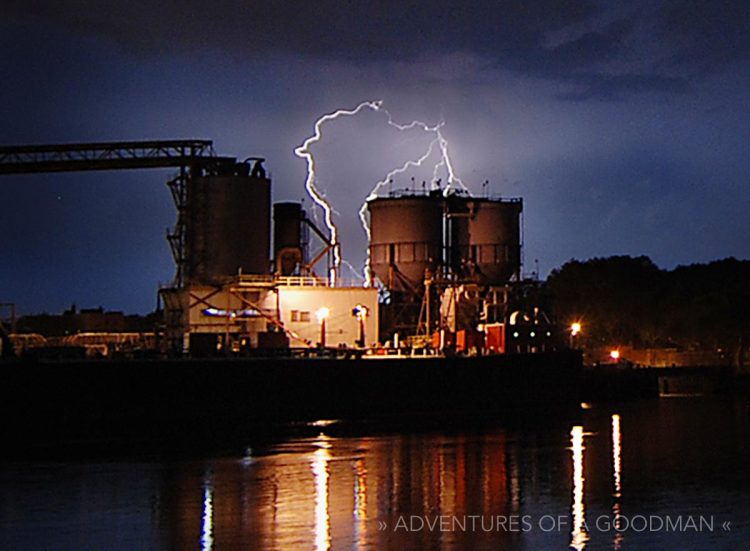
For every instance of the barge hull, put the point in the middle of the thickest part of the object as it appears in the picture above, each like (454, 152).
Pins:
(154, 399)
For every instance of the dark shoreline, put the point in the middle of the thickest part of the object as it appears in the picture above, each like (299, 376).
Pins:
(164, 405)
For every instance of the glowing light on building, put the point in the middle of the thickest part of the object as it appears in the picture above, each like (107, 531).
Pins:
(322, 314)
(614, 354)
(246, 313)
(579, 536)
(575, 328)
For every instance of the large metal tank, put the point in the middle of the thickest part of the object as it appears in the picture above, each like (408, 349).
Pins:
(228, 225)
(456, 209)
(494, 239)
(406, 239)
(287, 237)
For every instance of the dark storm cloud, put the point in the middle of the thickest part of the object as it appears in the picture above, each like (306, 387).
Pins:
(591, 47)
(707, 34)
(581, 63)
(613, 87)
(503, 35)
(354, 30)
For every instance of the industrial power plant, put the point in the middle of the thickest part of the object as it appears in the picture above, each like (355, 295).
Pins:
(257, 327)
(252, 277)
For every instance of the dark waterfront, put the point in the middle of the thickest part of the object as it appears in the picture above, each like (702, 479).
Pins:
(670, 473)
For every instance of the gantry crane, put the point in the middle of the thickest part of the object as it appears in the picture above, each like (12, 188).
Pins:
(191, 157)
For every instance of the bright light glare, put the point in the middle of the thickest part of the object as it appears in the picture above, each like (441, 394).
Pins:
(614, 354)
(322, 314)
(575, 328)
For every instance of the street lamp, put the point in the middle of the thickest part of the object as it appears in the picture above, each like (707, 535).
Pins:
(575, 329)
(322, 314)
(360, 312)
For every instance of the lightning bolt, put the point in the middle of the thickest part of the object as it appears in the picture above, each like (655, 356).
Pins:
(374, 194)
(445, 159)
(303, 151)
(353, 270)
(443, 163)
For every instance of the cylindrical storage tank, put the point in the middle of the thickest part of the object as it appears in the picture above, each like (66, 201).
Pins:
(287, 236)
(495, 239)
(228, 227)
(406, 239)
(456, 210)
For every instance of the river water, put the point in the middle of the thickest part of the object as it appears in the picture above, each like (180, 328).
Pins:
(655, 474)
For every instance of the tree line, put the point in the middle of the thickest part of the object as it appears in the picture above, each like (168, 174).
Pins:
(631, 301)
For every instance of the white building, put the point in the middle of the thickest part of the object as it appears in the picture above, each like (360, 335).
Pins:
(262, 311)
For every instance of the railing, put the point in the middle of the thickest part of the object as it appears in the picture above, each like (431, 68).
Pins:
(259, 280)
(20, 159)
(302, 281)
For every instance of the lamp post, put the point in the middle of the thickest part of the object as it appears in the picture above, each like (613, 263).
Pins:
(322, 314)
(575, 329)
(360, 312)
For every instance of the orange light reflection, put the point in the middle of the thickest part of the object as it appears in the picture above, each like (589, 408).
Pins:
(319, 466)
(579, 536)
(616, 470)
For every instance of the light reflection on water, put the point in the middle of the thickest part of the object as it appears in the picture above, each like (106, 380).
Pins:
(579, 535)
(617, 482)
(580, 532)
(360, 502)
(329, 492)
(207, 521)
(319, 466)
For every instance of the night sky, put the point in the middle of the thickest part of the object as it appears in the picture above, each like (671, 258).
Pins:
(624, 126)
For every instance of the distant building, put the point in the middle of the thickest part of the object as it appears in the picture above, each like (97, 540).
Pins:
(86, 320)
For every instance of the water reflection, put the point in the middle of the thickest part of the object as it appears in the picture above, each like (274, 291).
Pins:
(360, 489)
(616, 451)
(360, 501)
(579, 535)
(333, 492)
(617, 481)
(207, 519)
(319, 466)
